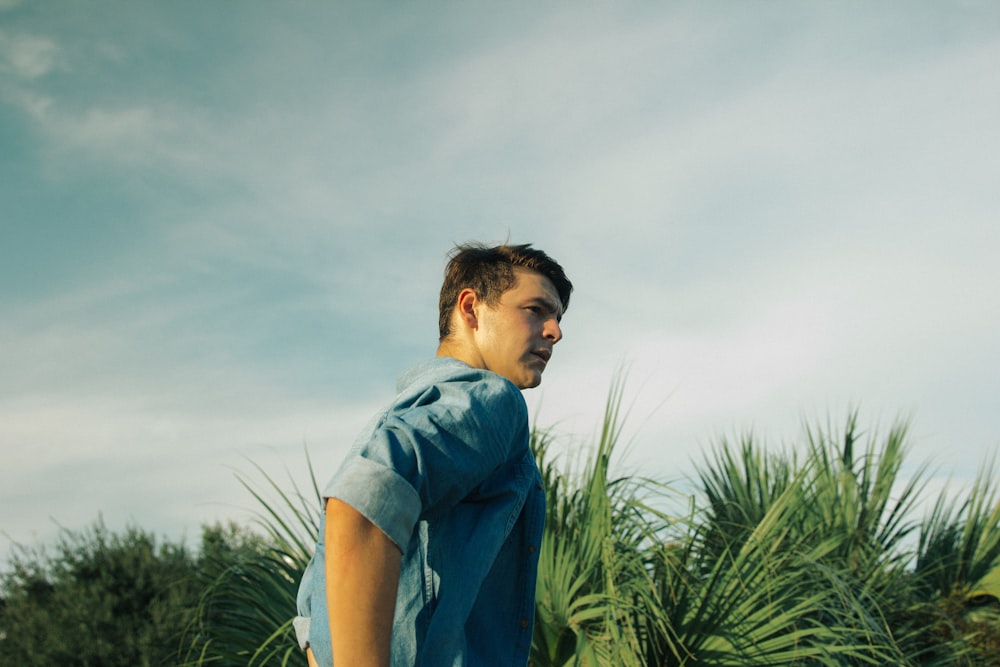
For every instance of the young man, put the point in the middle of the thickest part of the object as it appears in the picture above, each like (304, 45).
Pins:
(428, 547)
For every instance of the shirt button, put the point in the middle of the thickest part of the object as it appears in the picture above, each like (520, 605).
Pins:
(531, 548)
(524, 622)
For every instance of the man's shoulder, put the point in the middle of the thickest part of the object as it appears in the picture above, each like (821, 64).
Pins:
(440, 370)
(448, 376)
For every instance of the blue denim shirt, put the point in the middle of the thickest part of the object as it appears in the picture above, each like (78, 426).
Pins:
(447, 474)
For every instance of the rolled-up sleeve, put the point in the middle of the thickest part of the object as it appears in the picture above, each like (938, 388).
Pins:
(381, 495)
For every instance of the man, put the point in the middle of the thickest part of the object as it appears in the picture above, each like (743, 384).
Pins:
(428, 546)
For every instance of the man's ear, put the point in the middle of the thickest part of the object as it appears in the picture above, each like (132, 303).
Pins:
(467, 308)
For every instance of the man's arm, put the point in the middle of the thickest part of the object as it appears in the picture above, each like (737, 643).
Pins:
(362, 575)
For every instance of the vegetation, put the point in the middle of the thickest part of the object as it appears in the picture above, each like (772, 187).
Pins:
(102, 599)
(244, 616)
(811, 556)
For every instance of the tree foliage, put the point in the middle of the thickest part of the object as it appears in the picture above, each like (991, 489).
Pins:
(808, 556)
(97, 598)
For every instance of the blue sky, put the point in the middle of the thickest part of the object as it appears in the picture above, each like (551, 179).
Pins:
(223, 228)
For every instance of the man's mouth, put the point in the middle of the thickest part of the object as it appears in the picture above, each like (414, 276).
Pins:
(544, 354)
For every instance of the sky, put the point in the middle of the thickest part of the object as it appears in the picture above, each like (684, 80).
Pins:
(223, 227)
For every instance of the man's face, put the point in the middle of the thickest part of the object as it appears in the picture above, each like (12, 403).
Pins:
(515, 338)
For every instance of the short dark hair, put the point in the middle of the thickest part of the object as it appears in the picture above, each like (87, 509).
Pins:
(490, 272)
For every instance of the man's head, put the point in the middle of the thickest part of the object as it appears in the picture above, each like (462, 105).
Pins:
(500, 309)
(490, 272)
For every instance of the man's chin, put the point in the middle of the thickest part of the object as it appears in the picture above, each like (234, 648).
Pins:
(531, 382)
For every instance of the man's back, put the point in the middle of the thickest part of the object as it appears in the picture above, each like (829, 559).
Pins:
(446, 472)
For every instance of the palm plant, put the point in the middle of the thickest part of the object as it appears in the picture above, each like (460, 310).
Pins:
(245, 614)
(958, 557)
(747, 580)
(739, 489)
(595, 592)
(856, 494)
(813, 548)
(960, 545)
(768, 598)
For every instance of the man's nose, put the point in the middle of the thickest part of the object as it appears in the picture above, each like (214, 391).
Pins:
(553, 331)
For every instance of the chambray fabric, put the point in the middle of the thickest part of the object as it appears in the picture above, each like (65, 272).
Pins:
(446, 473)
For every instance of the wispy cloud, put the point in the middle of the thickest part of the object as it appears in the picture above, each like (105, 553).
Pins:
(72, 458)
(26, 57)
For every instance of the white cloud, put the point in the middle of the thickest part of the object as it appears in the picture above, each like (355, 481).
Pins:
(723, 367)
(27, 57)
(36, 105)
(126, 136)
(72, 458)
